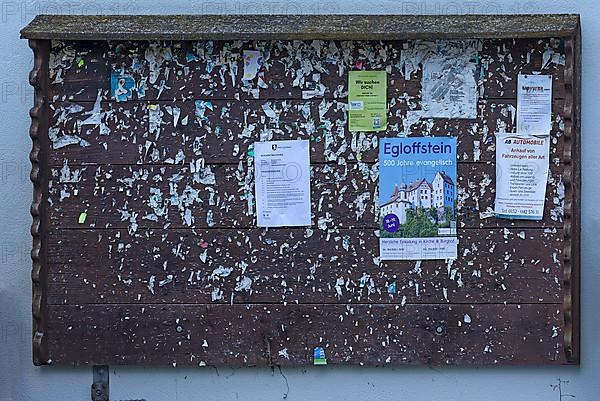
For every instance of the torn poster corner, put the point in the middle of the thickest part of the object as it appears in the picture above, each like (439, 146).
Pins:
(201, 106)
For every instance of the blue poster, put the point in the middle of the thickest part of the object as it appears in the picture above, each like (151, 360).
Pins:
(417, 198)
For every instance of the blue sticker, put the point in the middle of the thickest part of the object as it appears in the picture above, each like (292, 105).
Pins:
(391, 223)
(209, 65)
(319, 356)
(201, 106)
(190, 57)
(392, 288)
(136, 66)
(141, 88)
(121, 86)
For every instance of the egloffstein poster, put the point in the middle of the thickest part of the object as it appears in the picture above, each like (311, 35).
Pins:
(417, 195)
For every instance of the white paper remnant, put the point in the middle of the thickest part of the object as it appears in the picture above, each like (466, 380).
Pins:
(282, 183)
(522, 163)
(448, 79)
(269, 112)
(252, 63)
(534, 104)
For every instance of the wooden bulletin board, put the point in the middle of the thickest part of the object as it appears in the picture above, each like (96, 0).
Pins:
(145, 247)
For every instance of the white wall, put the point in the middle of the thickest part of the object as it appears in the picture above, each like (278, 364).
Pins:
(21, 381)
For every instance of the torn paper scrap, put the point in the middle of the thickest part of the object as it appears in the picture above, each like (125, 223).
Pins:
(252, 62)
(201, 106)
(449, 88)
(269, 112)
(121, 86)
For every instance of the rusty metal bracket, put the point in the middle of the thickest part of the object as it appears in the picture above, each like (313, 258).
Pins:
(100, 384)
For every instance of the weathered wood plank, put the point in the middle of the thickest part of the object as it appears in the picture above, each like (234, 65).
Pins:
(214, 70)
(476, 197)
(221, 196)
(288, 26)
(229, 131)
(505, 59)
(264, 335)
(297, 266)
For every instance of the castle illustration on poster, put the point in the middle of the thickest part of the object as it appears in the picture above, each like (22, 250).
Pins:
(417, 195)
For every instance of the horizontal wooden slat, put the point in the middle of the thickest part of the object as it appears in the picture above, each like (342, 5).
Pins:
(263, 335)
(297, 266)
(500, 62)
(476, 197)
(505, 59)
(218, 74)
(342, 196)
(233, 127)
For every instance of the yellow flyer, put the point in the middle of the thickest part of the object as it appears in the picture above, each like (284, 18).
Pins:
(367, 102)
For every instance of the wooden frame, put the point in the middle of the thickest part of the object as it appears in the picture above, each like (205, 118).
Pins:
(302, 321)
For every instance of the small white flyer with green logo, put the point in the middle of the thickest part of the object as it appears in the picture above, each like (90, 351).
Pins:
(367, 100)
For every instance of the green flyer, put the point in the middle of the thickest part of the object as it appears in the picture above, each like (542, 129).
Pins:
(367, 103)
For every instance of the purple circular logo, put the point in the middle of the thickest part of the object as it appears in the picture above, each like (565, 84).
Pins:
(391, 223)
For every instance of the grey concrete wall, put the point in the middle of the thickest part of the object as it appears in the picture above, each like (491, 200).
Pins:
(21, 381)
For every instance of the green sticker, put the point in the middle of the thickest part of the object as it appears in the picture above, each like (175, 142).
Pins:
(367, 100)
(82, 217)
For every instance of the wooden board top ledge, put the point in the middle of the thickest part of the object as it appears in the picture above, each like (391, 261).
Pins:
(285, 27)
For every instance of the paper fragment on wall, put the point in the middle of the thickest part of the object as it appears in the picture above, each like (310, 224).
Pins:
(121, 86)
(252, 63)
(449, 88)
(201, 106)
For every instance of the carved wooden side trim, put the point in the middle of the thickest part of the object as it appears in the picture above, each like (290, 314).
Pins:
(571, 179)
(38, 78)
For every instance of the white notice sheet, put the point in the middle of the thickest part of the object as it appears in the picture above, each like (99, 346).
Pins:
(282, 184)
(521, 175)
(534, 104)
